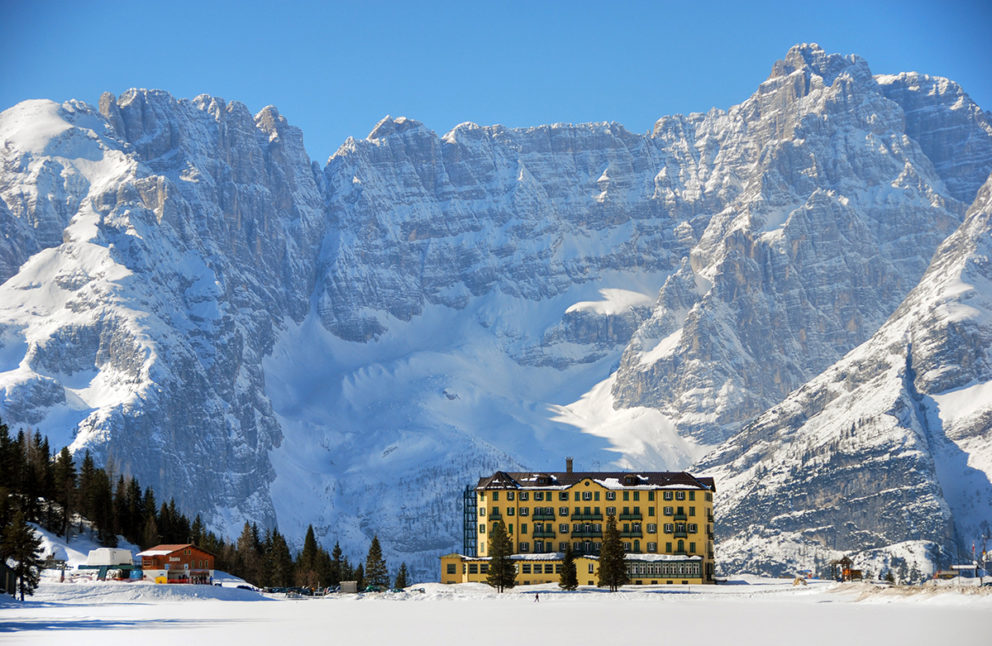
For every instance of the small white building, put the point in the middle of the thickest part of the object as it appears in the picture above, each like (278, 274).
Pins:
(108, 556)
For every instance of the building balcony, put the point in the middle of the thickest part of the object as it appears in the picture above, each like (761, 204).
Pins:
(543, 534)
(680, 517)
(681, 535)
(582, 533)
(580, 517)
(634, 516)
(631, 534)
(543, 516)
(495, 515)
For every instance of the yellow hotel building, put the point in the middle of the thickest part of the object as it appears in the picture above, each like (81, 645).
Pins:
(665, 520)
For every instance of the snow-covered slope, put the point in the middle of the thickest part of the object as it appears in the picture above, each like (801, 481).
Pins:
(889, 451)
(188, 296)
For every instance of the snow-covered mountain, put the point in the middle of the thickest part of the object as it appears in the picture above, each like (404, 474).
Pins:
(888, 452)
(187, 295)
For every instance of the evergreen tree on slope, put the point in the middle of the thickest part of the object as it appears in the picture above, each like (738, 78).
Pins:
(21, 545)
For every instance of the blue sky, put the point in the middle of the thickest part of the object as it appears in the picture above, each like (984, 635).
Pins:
(335, 68)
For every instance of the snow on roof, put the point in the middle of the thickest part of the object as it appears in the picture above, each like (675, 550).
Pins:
(162, 550)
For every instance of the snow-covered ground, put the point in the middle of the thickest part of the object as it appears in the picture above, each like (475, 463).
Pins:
(752, 611)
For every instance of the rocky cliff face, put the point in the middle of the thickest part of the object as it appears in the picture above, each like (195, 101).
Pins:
(184, 289)
(837, 202)
(893, 438)
(174, 237)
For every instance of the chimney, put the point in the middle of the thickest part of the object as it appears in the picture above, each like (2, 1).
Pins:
(568, 465)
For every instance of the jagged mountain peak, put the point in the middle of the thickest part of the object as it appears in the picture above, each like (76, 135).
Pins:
(389, 126)
(812, 59)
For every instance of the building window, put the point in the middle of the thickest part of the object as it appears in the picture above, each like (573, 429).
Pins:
(526, 568)
(669, 511)
(709, 497)
(692, 547)
(651, 496)
(626, 546)
(473, 568)
(626, 495)
(523, 528)
(611, 511)
(680, 495)
(482, 511)
(524, 547)
(668, 495)
(562, 528)
(484, 568)
(549, 568)
(524, 511)
(563, 511)
(611, 495)
(692, 511)
(509, 495)
(652, 547)
(562, 547)
(538, 495)
(538, 547)
(509, 528)
(451, 568)
(595, 495)
(482, 529)
(590, 569)
(509, 511)
(637, 496)
(524, 495)
(563, 495)
(557, 568)
(693, 528)
(587, 495)
(692, 495)
(652, 528)
(495, 496)
(650, 511)
(626, 511)
(668, 547)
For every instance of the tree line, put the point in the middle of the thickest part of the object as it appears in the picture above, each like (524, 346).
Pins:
(51, 491)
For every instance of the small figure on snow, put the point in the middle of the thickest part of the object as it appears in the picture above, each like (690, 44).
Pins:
(537, 597)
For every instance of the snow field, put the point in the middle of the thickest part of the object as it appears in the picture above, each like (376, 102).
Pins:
(757, 611)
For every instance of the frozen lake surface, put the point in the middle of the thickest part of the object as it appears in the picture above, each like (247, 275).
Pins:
(745, 612)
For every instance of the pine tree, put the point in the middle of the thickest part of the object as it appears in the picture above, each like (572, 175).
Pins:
(306, 563)
(22, 546)
(612, 569)
(149, 535)
(10, 460)
(337, 570)
(401, 577)
(65, 487)
(502, 573)
(569, 579)
(375, 571)
(279, 562)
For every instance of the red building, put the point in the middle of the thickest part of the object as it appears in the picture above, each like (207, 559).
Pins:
(185, 563)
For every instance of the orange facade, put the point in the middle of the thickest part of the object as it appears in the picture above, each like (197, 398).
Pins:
(185, 563)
